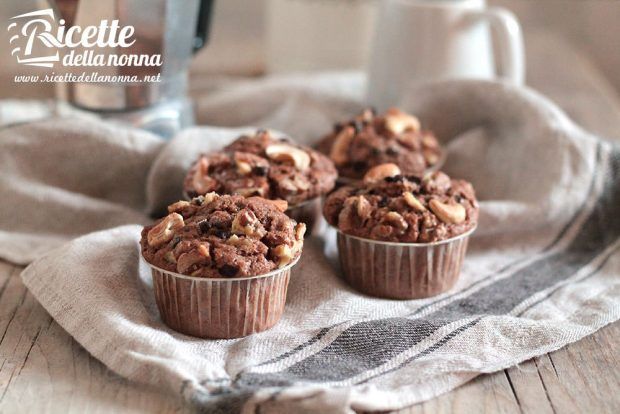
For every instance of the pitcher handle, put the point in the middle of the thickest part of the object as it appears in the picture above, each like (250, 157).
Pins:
(510, 41)
(205, 11)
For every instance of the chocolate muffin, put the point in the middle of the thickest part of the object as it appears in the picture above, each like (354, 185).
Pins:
(369, 140)
(221, 264)
(390, 206)
(264, 166)
(223, 236)
(401, 236)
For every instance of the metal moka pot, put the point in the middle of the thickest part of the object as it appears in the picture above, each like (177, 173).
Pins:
(141, 93)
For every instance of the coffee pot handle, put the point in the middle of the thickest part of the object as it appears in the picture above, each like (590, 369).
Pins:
(204, 21)
(510, 43)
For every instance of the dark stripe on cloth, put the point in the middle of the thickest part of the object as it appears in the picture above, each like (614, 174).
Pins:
(470, 324)
(370, 344)
(469, 288)
(428, 350)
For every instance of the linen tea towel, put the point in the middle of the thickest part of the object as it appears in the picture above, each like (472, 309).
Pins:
(541, 272)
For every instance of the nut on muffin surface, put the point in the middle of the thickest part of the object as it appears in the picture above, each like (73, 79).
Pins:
(223, 236)
(389, 206)
(261, 165)
(370, 139)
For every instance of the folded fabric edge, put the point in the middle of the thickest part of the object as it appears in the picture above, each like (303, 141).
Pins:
(369, 398)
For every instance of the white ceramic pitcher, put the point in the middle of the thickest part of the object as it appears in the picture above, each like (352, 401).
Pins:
(424, 40)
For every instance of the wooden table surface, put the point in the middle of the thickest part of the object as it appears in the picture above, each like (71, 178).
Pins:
(42, 369)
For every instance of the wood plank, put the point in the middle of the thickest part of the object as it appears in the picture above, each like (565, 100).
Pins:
(66, 379)
(585, 376)
(529, 388)
(581, 377)
(17, 334)
(42, 369)
(485, 394)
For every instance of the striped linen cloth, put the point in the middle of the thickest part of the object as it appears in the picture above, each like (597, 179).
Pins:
(542, 270)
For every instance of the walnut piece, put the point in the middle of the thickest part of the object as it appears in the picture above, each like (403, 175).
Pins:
(241, 242)
(364, 209)
(436, 182)
(413, 202)
(199, 256)
(394, 219)
(380, 172)
(178, 206)
(294, 185)
(287, 153)
(300, 230)
(397, 121)
(429, 140)
(210, 197)
(169, 257)
(164, 231)
(201, 182)
(430, 156)
(339, 152)
(246, 222)
(250, 191)
(243, 167)
(280, 205)
(448, 213)
(246, 162)
(205, 199)
(284, 254)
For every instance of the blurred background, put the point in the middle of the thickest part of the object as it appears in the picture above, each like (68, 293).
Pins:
(252, 38)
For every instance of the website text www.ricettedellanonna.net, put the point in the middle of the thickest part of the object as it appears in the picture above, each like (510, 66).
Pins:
(84, 77)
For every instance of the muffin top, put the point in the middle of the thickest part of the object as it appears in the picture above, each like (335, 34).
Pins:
(223, 236)
(389, 206)
(369, 140)
(261, 165)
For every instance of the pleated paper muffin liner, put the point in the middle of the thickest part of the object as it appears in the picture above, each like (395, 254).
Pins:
(220, 308)
(401, 270)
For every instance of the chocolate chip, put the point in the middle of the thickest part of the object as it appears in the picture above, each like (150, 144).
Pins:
(260, 171)
(414, 179)
(359, 166)
(394, 179)
(338, 127)
(228, 270)
(458, 198)
(222, 234)
(204, 226)
(198, 201)
(383, 202)
(391, 151)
